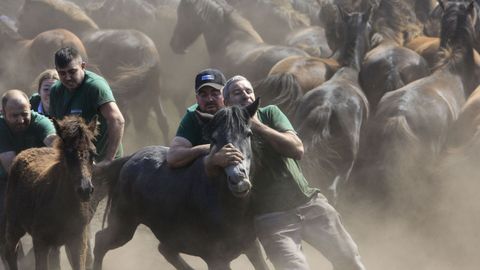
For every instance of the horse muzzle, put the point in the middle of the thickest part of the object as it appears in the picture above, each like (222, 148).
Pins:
(85, 192)
(241, 188)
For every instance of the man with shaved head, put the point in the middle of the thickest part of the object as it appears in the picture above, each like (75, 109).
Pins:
(20, 129)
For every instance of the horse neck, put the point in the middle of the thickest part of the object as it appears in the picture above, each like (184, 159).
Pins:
(352, 52)
(234, 30)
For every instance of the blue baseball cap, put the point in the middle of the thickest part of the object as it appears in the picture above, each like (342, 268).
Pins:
(209, 77)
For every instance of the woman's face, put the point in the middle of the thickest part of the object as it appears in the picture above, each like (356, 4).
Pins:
(44, 91)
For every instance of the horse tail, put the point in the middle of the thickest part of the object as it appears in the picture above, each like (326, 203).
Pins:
(132, 81)
(394, 80)
(107, 177)
(282, 90)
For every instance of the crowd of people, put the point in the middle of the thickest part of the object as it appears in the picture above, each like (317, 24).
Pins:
(287, 210)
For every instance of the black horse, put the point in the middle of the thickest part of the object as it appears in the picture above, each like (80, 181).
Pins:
(186, 210)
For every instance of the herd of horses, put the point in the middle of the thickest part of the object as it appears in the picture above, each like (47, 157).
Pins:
(378, 100)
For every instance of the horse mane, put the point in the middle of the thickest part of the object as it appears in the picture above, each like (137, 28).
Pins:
(70, 10)
(456, 39)
(233, 120)
(218, 11)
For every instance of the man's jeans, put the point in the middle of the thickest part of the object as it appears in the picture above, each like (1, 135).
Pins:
(317, 223)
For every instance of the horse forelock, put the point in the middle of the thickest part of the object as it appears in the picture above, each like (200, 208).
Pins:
(7, 31)
(75, 135)
(229, 122)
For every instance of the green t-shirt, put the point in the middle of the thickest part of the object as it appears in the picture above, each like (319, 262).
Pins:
(40, 127)
(278, 182)
(191, 128)
(85, 102)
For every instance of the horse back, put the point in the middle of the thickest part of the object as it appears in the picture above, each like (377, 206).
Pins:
(31, 165)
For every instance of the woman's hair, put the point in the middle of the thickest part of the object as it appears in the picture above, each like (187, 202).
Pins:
(48, 74)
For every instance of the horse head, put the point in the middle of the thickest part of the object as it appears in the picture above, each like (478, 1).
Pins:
(457, 23)
(196, 17)
(231, 125)
(356, 29)
(77, 151)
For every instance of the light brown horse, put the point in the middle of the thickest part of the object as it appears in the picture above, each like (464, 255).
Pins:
(233, 44)
(48, 193)
(128, 59)
(409, 129)
(23, 59)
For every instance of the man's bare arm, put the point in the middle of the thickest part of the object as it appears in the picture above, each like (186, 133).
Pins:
(181, 152)
(116, 124)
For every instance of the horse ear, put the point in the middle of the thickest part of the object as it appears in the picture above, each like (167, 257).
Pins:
(440, 3)
(93, 125)
(57, 127)
(203, 117)
(342, 12)
(471, 10)
(366, 16)
(252, 108)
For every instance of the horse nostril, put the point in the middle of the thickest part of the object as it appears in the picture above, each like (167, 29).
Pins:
(91, 189)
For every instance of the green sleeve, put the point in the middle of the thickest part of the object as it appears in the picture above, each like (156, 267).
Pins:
(100, 93)
(5, 143)
(35, 100)
(53, 100)
(190, 129)
(277, 119)
(43, 127)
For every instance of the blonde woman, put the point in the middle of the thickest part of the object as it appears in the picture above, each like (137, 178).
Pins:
(40, 101)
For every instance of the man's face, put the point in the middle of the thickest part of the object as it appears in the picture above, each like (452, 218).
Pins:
(72, 75)
(241, 93)
(17, 115)
(209, 99)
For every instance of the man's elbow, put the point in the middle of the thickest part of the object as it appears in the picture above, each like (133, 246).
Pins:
(298, 152)
(172, 160)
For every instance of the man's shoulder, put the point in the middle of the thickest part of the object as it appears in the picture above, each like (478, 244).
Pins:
(93, 78)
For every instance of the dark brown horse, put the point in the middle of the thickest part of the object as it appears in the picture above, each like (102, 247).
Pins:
(23, 59)
(330, 118)
(48, 195)
(232, 43)
(188, 212)
(127, 58)
(410, 126)
(389, 65)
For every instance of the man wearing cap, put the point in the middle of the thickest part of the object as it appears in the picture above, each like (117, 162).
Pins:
(188, 144)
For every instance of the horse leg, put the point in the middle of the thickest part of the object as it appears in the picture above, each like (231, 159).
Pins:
(161, 119)
(174, 258)
(117, 234)
(255, 256)
(77, 247)
(218, 265)
(12, 240)
(54, 258)
(41, 250)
